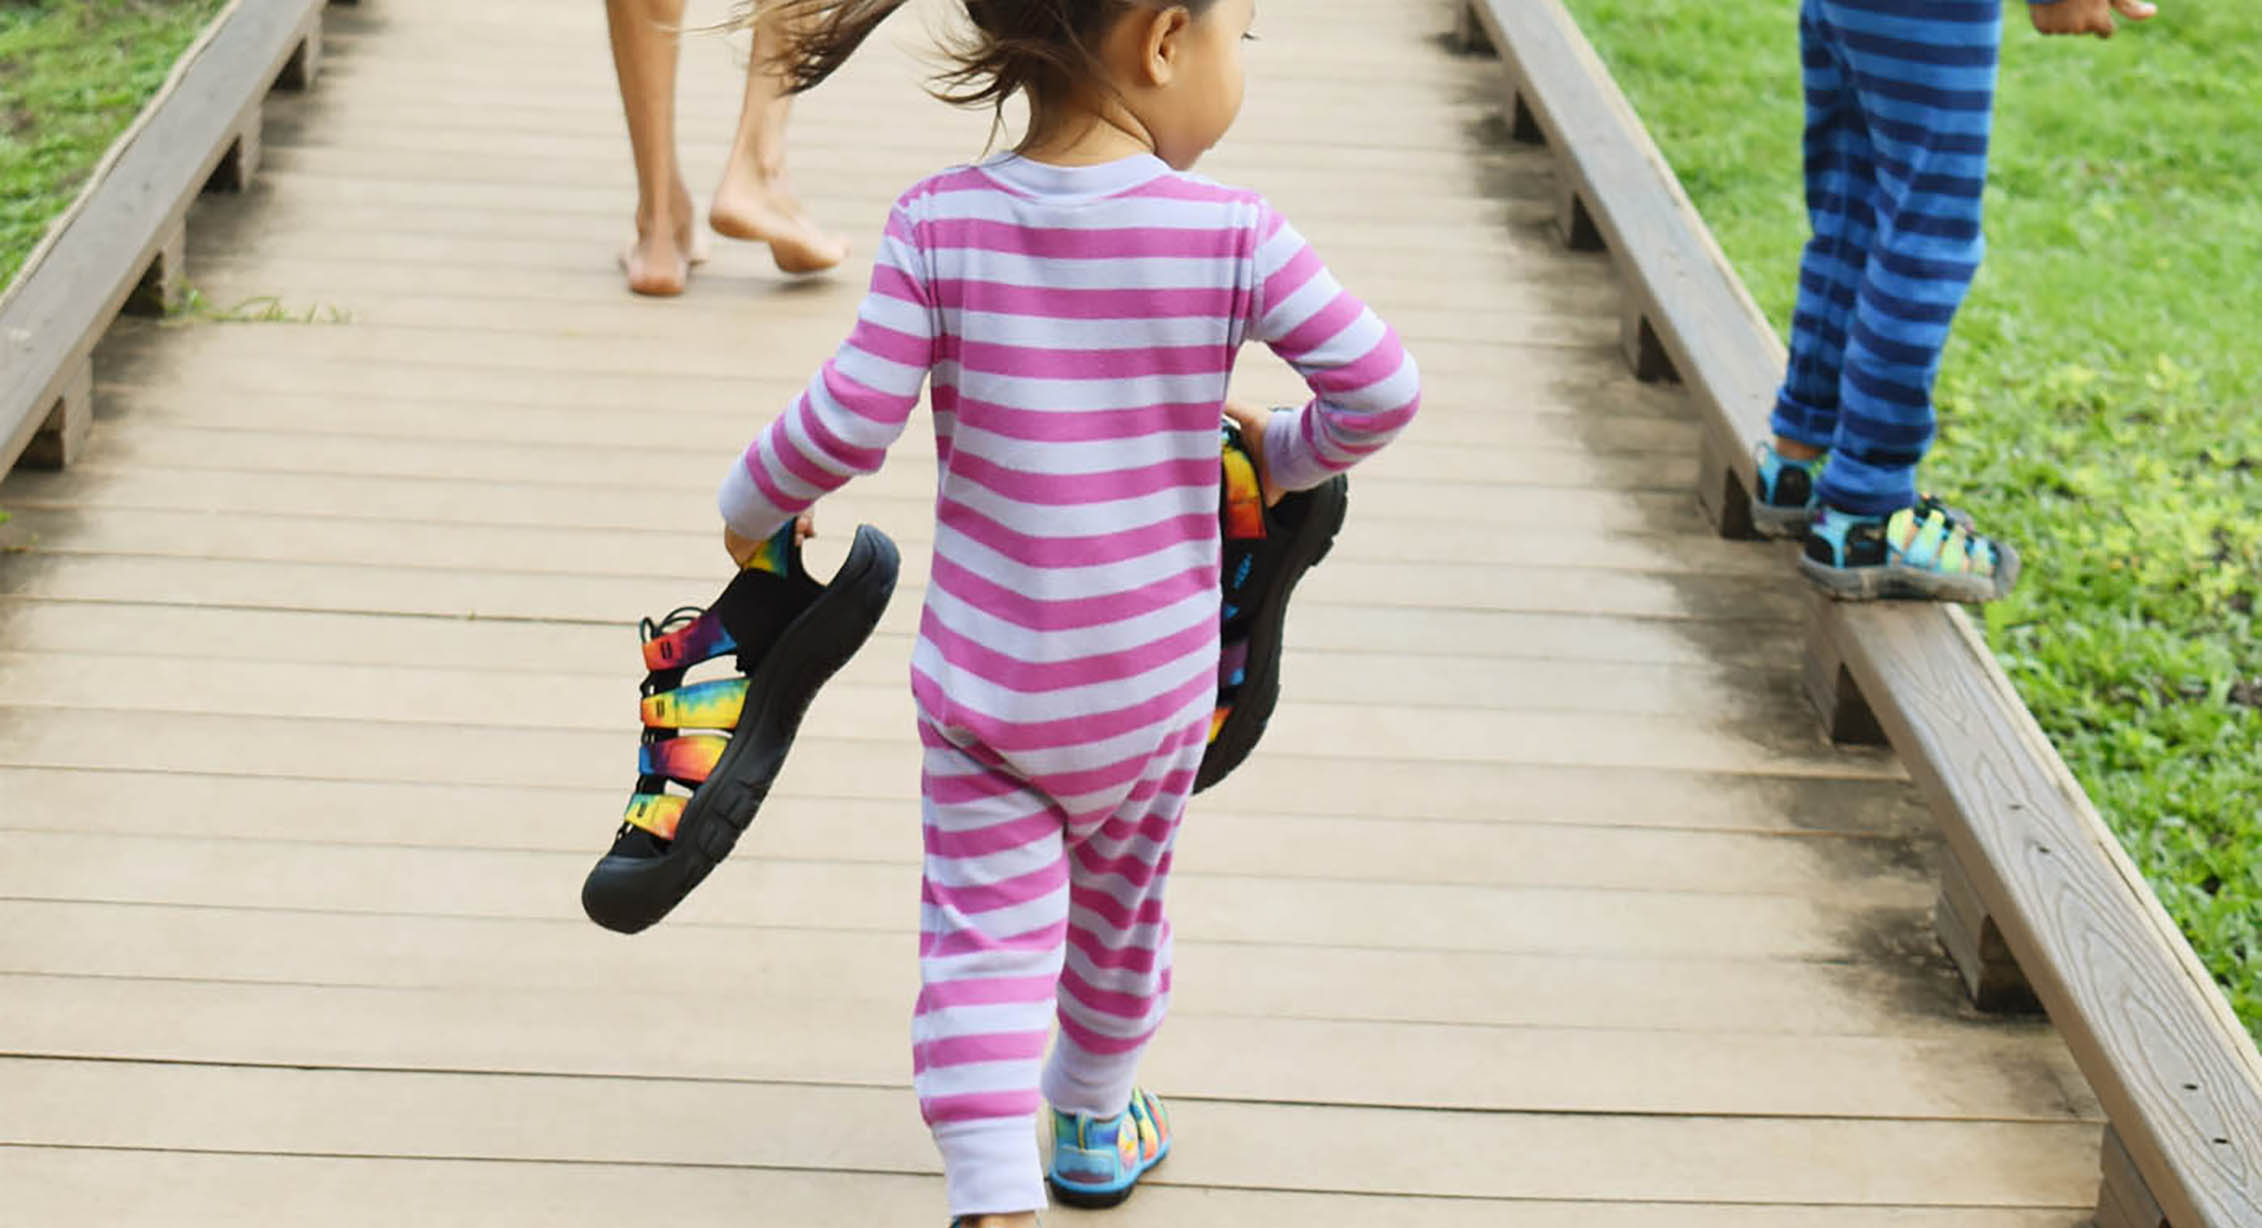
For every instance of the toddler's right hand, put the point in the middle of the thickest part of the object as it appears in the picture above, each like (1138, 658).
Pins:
(742, 548)
(2087, 16)
(1252, 422)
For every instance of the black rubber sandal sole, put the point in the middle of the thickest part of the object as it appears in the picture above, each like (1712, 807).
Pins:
(629, 894)
(1323, 509)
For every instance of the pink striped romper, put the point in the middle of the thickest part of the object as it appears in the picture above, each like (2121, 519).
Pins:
(1079, 325)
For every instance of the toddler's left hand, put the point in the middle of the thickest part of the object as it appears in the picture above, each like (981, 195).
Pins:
(1252, 421)
(2087, 16)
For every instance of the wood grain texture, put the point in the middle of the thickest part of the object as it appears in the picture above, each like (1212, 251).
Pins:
(56, 309)
(2179, 1076)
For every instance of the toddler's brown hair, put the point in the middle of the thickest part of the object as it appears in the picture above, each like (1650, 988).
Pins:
(1047, 49)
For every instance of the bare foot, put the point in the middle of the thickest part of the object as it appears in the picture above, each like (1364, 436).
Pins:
(658, 261)
(749, 207)
(656, 265)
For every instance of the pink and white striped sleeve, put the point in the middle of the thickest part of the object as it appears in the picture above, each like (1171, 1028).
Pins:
(855, 406)
(1365, 387)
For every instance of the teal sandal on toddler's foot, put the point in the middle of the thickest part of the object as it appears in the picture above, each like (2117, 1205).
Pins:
(1929, 552)
(1098, 1161)
(1785, 501)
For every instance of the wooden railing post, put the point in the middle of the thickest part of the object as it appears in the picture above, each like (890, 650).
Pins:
(1469, 37)
(70, 419)
(1846, 716)
(1574, 222)
(165, 280)
(1974, 943)
(2123, 1200)
(240, 164)
(305, 63)
(1721, 493)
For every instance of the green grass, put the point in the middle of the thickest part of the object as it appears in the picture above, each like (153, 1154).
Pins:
(2099, 401)
(73, 73)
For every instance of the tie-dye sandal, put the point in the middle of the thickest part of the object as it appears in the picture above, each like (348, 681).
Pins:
(786, 634)
(1097, 1162)
(1929, 552)
(1266, 551)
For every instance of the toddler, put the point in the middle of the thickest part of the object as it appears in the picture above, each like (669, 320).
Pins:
(1076, 306)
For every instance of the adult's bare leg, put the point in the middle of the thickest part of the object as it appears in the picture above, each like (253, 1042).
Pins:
(644, 35)
(754, 200)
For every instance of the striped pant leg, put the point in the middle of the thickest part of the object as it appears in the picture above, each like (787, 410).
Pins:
(993, 924)
(1841, 184)
(1115, 986)
(1923, 73)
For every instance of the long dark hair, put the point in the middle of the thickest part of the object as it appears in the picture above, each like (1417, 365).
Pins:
(1047, 49)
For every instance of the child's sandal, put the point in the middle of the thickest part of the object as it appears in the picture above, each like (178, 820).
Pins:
(1265, 552)
(788, 634)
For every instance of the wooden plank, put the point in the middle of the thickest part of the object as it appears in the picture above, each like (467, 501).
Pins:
(1558, 580)
(581, 694)
(75, 282)
(1704, 319)
(227, 801)
(2179, 1076)
(307, 448)
(419, 203)
(835, 895)
(1376, 1151)
(156, 445)
(1690, 992)
(146, 1189)
(1410, 737)
(1882, 871)
(796, 356)
(1515, 320)
(1265, 149)
(697, 1037)
(896, 493)
(203, 360)
(1618, 426)
(1482, 641)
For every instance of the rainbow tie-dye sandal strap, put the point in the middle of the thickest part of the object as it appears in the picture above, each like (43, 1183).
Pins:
(711, 748)
(1263, 553)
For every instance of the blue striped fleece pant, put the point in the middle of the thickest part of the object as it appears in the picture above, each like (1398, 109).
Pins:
(1899, 97)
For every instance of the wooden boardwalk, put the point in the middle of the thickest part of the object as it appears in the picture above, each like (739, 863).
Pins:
(1543, 902)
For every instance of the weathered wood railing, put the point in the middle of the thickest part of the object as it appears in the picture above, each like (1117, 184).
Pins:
(2039, 903)
(120, 245)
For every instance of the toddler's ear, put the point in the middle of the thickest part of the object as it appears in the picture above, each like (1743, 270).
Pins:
(1162, 34)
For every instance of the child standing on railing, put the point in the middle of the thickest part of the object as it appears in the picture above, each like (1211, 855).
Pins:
(1077, 305)
(1899, 103)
